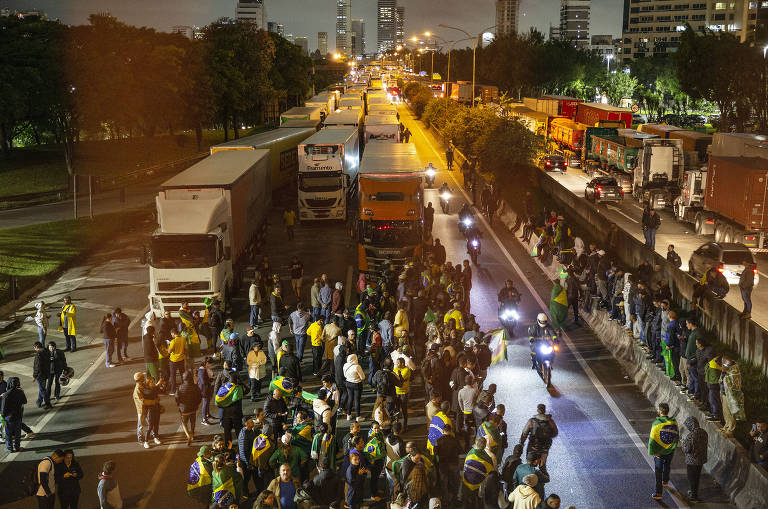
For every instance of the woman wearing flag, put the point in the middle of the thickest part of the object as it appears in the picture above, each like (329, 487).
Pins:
(226, 482)
(477, 465)
(229, 399)
(199, 482)
(661, 445)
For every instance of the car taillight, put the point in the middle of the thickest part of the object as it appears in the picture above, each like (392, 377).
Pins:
(754, 271)
(720, 267)
(548, 163)
(565, 163)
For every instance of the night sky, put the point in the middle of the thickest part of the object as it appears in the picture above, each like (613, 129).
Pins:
(307, 17)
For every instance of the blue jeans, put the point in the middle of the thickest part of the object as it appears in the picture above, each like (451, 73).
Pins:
(662, 465)
(715, 403)
(315, 313)
(12, 435)
(204, 413)
(71, 341)
(693, 379)
(300, 340)
(326, 313)
(42, 394)
(255, 312)
(651, 241)
(746, 296)
(41, 334)
(109, 347)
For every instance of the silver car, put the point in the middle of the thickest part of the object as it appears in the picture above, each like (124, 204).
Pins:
(728, 258)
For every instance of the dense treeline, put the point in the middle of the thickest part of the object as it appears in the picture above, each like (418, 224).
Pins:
(109, 80)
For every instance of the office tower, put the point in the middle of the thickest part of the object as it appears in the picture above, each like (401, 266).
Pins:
(303, 43)
(186, 31)
(399, 25)
(507, 12)
(322, 43)
(358, 37)
(343, 26)
(574, 21)
(386, 14)
(253, 11)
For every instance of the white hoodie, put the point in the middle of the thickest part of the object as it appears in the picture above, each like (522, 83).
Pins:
(524, 497)
(627, 304)
(353, 373)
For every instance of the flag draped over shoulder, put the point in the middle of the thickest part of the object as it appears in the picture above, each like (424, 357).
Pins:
(664, 436)
(199, 480)
(375, 449)
(284, 385)
(227, 486)
(490, 433)
(228, 394)
(498, 345)
(324, 446)
(477, 465)
(189, 325)
(301, 437)
(261, 450)
(436, 430)
(558, 306)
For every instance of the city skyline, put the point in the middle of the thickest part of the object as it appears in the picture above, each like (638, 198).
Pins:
(319, 15)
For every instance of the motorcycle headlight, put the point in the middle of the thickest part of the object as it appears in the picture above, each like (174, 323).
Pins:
(474, 243)
(545, 349)
(446, 196)
(467, 221)
(514, 314)
(430, 173)
(506, 315)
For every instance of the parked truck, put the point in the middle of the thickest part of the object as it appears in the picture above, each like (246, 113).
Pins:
(567, 106)
(657, 173)
(281, 143)
(391, 194)
(344, 119)
(211, 218)
(324, 102)
(382, 128)
(592, 114)
(301, 113)
(329, 162)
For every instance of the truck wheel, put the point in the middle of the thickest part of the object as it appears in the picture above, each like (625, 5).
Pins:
(697, 225)
(728, 234)
(718, 231)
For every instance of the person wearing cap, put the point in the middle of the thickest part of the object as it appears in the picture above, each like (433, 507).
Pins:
(525, 495)
(41, 320)
(68, 324)
(257, 363)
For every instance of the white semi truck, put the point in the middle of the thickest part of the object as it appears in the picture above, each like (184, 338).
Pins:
(328, 165)
(659, 167)
(210, 219)
(382, 128)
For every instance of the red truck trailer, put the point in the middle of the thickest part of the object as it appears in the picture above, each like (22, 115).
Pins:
(567, 105)
(593, 114)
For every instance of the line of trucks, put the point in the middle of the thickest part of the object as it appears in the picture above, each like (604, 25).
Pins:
(212, 217)
(717, 182)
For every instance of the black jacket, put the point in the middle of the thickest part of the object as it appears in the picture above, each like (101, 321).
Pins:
(574, 288)
(204, 382)
(272, 408)
(717, 283)
(292, 366)
(13, 401)
(216, 321)
(651, 222)
(747, 279)
(324, 488)
(149, 348)
(188, 397)
(68, 486)
(338, 368)
(447, 449)
(385, 381)
(58, 359)
(674, 258)
(108, 330)
(41, 366)
(276, 306)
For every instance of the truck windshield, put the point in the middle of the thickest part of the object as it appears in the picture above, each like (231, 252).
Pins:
(314, 183)
(391, 233)
(183, 251)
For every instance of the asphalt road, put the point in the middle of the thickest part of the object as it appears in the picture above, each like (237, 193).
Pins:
(627, 215)
(598, 460)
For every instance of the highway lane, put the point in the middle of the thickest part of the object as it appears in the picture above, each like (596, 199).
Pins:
(600, 458)
(627, 216)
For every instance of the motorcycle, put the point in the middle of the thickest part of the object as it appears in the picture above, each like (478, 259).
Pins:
(544, 353)
(429, 176)
(508, 316)
(445, 201)
(473, 248)
(466, 222)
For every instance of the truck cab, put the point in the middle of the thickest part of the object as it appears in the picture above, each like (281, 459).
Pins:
(659, 164)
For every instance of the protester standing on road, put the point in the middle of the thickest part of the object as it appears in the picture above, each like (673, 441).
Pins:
(315, 334)
(651, 223)
(68, 475)
(289, 220)
(150, 411)
(746, 284)
(257, 369)
(150, 351)
(297, 274)
(41, 370)
(694, 445)
(407, 135)
(449, 157)
(68, 324)
(12, 411)
(109, 336)
(121, 322)
(661, 445)
(354, 377)
(41, 320)
(46, 479)
(298, 321)
(205, 384)
(673, 257)
(256, 299)
(177, 357)
(188, 398)
(57, 364)
(108, 488)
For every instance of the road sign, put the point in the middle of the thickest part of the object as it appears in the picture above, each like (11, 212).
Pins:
(635, 108)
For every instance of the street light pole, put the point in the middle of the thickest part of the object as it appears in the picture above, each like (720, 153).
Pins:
(474, 52)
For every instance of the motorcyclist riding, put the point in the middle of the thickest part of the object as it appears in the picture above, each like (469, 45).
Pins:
(542, 330)
(429, 172)
(509, 293)
(466, 218)
(445, 196)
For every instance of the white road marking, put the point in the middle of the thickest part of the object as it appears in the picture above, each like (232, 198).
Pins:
(623, 214)
(641, 446)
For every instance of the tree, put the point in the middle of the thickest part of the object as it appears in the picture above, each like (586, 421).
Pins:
(618, 86)
(506, 146)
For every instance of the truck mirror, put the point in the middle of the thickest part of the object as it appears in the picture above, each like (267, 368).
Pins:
(143, 256)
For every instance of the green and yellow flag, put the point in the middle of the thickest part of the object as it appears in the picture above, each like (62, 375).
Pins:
(664, 436)
(498, 345)
(261, 451)
(227, 487)
(477, 465)
(558, 306)
(199, 480)
(228, 394)
(301, 437)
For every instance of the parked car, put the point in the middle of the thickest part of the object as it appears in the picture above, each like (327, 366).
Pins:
(728, 258)
(638, 118)
(601, 189)
(554, 162)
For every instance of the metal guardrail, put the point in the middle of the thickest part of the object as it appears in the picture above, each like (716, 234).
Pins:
(121, 180)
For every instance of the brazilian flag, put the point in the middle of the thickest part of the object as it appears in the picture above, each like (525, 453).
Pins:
(228, 394)
(477, 465)
(498, 345)
(436, 430)
(558, 306)
(261, 450)
(375, 449)
(301, 437)
(227, 486)
(664, 436)
(199, 480)
(284, 385)
(324, 446)
(490, 433)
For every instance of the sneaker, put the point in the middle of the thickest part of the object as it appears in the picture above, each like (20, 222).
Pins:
(146, 445)
(171, 393)
(205, 422)
(157, 441)
(656, 496)
(31, 434)
(110, 365)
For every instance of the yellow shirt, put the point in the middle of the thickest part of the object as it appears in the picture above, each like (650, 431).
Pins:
(176, 349)
(456, 315)
(401, 322)
(405, 375)
(289, 217)
(315, 333)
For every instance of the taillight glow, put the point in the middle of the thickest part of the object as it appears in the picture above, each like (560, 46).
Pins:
(720, 267)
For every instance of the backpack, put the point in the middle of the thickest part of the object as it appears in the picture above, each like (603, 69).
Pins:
(542, 430)
(381, 382)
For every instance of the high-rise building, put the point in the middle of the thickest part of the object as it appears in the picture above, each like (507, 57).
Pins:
(399, 25)
(574, 21)
(303, 43)
(322, 43)
(507, 13)
(276, 28)
(185, 30)
(554, 32)
(653, 27)
(289, 37)
(344, 26)
(358, 37)
(603, 45)
(253, 11)
(386, 24)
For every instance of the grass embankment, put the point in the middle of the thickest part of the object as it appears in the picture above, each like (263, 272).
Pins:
(36, 251)
(41, 169)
